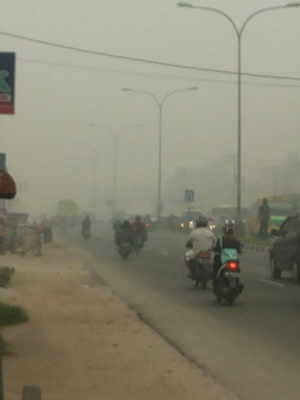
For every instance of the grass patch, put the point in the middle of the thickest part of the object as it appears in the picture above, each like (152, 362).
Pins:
(12, 314)
(5, 275)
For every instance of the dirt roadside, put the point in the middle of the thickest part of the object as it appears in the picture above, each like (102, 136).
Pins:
(83, 342)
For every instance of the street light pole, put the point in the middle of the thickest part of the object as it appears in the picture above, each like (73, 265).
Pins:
(160, 104)
(116, 135)
(239, 33)
(94, 182)
(115, 144)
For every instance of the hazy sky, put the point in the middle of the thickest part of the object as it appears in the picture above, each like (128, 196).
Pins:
(52, 150)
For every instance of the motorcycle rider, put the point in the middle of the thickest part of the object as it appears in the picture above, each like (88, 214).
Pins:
(139, 228)
(229, 240)
(117, 227)
(124, 233)
(200, 239)
(86, 224)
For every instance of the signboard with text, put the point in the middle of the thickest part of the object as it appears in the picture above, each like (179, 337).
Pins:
(7, 83)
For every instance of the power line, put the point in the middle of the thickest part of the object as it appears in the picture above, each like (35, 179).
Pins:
(143, 60)
(151, 74)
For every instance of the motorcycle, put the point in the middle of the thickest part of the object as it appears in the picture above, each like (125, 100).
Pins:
(86, 233)
(202, 269)
(138, 244)
(228, 285)
(124, 249)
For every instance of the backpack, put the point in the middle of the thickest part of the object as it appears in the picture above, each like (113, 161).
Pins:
(228, 253)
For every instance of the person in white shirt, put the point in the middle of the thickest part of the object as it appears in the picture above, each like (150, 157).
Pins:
(200, 239)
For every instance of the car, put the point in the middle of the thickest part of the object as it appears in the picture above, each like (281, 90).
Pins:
(188, 218)
(285, 250)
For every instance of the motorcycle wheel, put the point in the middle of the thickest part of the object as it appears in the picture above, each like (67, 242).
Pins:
(230, 300)
(204, 278)
(219, 291)
(196, 277)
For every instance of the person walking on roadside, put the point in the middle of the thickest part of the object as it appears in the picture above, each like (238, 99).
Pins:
(264, 213)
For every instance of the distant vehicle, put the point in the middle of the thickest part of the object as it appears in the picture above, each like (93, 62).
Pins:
(280, 209)
(189, 217)
(227, 212)
(285, 250)
(125, 248)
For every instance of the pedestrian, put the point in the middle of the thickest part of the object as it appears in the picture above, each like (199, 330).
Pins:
(264, 213)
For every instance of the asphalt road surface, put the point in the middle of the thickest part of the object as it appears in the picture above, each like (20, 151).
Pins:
(252, 347)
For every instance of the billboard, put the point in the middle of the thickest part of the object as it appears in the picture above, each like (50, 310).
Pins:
(7, 83)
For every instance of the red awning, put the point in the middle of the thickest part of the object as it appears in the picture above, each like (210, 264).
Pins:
(8, 187)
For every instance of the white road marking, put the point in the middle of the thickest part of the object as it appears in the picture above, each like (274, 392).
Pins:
(272, 283)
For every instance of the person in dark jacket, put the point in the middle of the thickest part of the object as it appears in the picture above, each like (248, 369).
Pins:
(228, 240)
(86, 223)
(124, 233)
(139, 228)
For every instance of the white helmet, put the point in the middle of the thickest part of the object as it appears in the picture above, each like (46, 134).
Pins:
(229, 225)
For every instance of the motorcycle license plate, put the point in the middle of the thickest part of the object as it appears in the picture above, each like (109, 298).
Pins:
(235, 275)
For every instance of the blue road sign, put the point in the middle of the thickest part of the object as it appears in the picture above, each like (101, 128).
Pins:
(189, 195)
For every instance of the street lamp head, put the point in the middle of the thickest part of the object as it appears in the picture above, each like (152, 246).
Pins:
(293, 4)
(183, 4)
(193, 88)
(126, 89)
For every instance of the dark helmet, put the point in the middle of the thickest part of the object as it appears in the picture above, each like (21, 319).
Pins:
(228, 226)
(201, 222)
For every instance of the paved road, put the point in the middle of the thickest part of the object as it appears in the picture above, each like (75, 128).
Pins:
(251, 347)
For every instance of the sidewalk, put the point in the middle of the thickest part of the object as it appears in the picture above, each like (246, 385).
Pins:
(83, 343)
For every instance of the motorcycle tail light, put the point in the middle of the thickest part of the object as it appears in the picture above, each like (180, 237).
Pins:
(233, 265)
